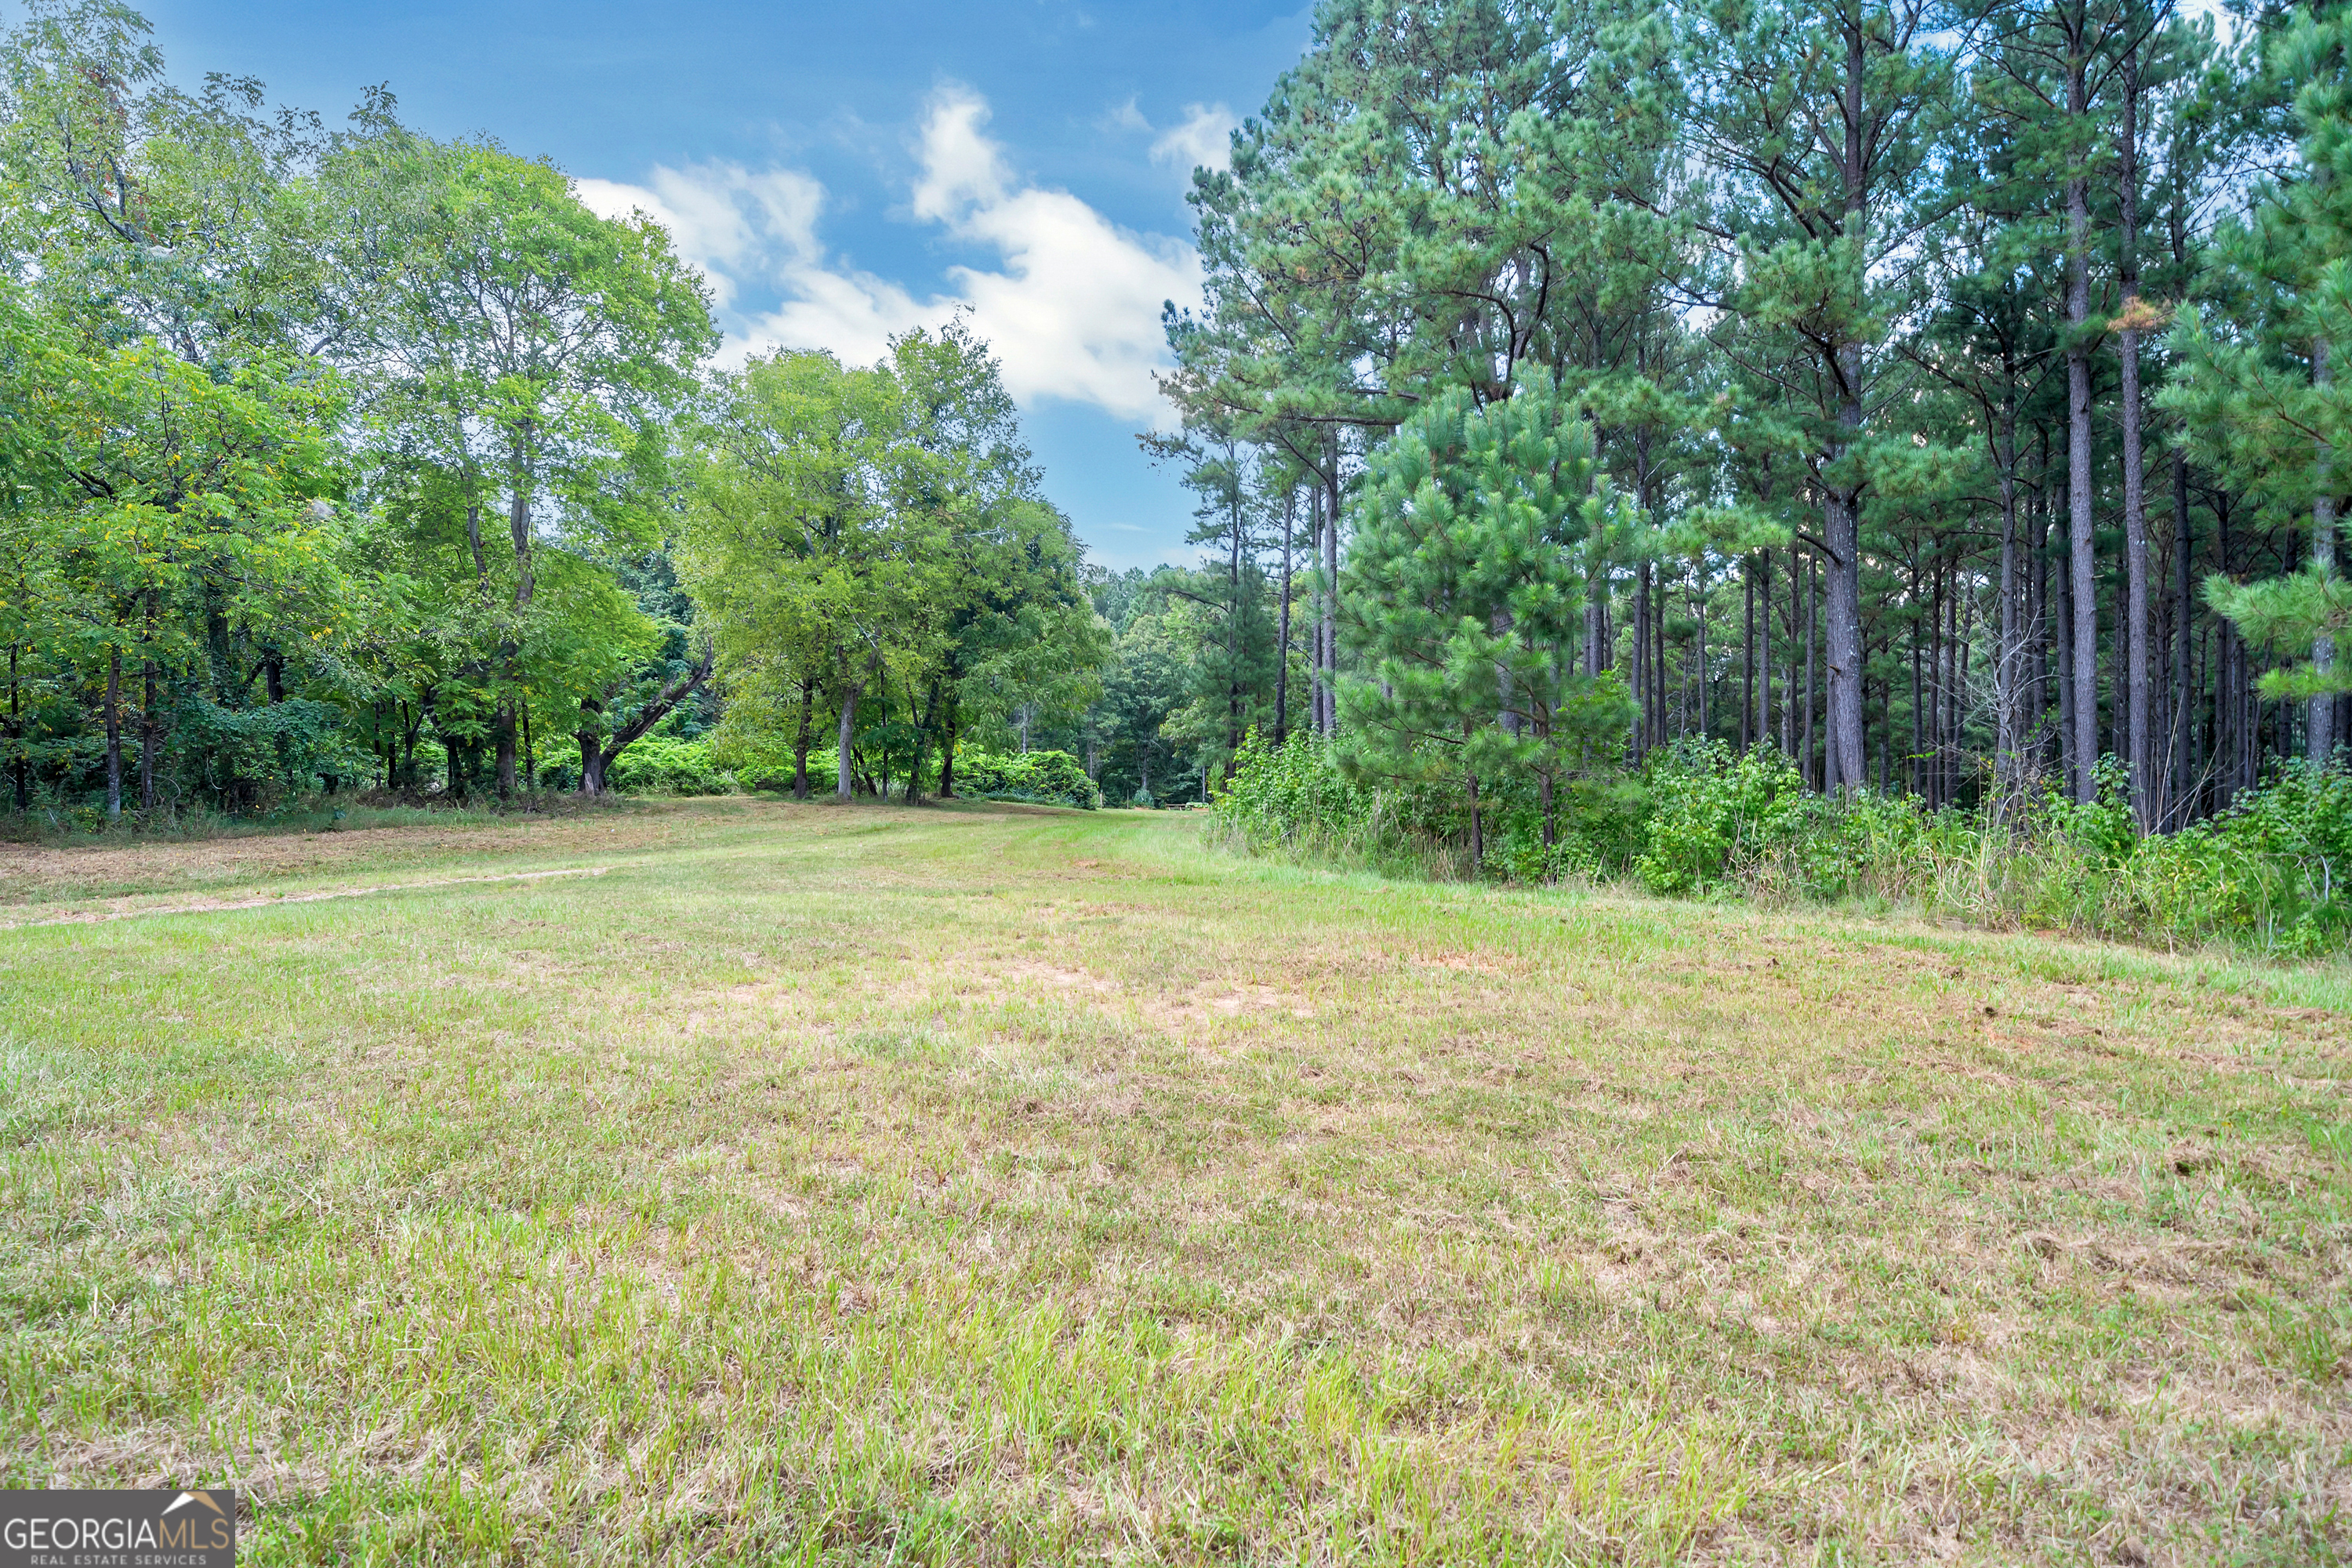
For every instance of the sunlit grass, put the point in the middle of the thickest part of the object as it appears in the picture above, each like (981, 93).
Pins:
(822, 1184)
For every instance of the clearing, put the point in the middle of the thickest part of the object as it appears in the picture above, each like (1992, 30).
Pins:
(986, 1186)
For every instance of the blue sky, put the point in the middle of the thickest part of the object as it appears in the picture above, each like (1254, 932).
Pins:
(846, 169)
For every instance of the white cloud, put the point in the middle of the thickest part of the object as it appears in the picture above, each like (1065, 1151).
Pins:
(962, 168)
(1071, 309)
(1202, 139)
(724, 219)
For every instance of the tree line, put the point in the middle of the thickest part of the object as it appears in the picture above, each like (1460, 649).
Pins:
(341, 456)
(1940, 393)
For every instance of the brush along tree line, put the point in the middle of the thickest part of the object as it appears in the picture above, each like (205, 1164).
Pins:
(1955, 391)
(343, 456)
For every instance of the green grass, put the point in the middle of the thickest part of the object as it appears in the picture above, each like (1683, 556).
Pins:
(841, 1185)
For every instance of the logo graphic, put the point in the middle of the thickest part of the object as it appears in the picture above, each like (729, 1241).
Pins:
(118, 1529)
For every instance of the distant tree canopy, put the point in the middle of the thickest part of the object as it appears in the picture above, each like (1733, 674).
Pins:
(345, 455)
(1946, 396)
(1970, 374)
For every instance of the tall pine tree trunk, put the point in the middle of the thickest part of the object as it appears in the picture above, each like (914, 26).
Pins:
(1330, 678)
(1643, 716)
(2009, 660)
(1282, 633)
(1843, 523)
(1698, 608)
(1764, 649)
(2184, 729)
(1843, 742)
(1813, 774)
(1748, 655)
(2083, 598)
(2139, 721)
(2319, 732)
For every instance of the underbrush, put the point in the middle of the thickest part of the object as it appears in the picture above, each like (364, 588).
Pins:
(341, 813)
(1699, 820)
(1041, 778)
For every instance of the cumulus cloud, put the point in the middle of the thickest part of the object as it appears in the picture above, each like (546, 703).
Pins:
(1201, 139)
(1071, 305)
(724, 219)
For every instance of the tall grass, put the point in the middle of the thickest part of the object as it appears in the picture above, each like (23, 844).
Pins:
(1700, 820)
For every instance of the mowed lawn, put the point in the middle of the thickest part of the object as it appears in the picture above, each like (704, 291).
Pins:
(827, 1185)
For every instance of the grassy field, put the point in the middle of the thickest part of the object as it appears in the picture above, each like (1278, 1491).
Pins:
(806, 1183)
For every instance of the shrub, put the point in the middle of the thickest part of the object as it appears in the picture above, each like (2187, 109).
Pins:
(1701, 819)
(1044, 778)
(1714, 813)
(761, 761)
(1289, 794)
(660, 765)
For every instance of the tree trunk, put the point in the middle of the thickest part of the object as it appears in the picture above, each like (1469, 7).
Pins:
(1331, 681)
(1789, 674)
(1282, 633)
(506, 745)
(2184, 732)
(1232, 639)
(1478, 827)
(591, 737)
(150, 732)
(1764, 650)
(801, 743)
(1642, 714)
(1698, 607)
(1843, 523)
(1813, 774)
(2045, 662)
(2009, 661)
(19, 763)
(2319, 731)
(914, 791)
(1843, 742)
(1938, 651)
(842, 790)
(953, 718)
(1918, 769)
(114, 732)
(1658, 656)
(2134, 644)
(1967, 617)
(474, 541)
(1747, 654)
(2086, 584)
(2069, 732)
(522, 479)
